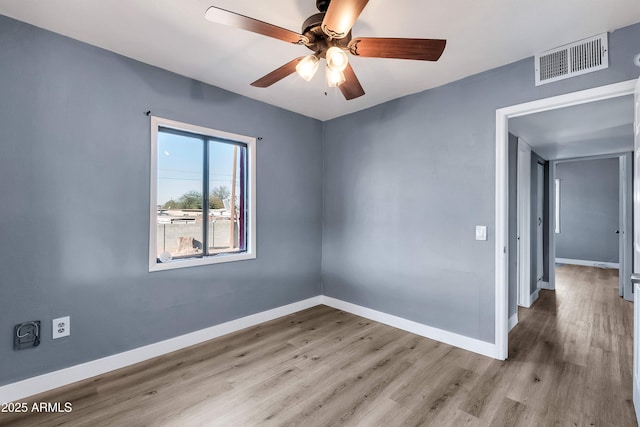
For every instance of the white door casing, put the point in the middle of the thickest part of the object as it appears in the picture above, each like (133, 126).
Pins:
(540, 225)
(626, 226)
(636, 247)
(621, 225)
(524, 224)
(502, 190)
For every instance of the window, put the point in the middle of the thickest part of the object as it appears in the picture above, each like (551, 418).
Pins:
(202, 196)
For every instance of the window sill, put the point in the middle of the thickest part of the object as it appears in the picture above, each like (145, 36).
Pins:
(196, 262)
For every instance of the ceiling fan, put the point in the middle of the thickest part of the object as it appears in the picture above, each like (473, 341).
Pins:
(328, 35)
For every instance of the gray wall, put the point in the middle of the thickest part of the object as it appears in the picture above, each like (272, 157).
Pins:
(403, 185)
(74, 156)
(589, 210)
(406, 182)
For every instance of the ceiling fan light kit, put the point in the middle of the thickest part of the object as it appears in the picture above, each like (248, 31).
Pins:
(328, 35)
(307, 67)
(337, 59)
(335, 78)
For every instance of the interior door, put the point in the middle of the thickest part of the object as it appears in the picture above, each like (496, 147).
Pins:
(636, 250)
(621, 228)
(540, 225)
(524, 223)
(626, 227)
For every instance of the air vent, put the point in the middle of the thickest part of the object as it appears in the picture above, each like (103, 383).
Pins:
(573, 59)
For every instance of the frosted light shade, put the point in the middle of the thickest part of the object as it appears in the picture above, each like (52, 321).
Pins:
(337, 59)
(307, 67)
(334, 78)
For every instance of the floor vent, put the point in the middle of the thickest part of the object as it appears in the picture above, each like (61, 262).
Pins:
(573, 59)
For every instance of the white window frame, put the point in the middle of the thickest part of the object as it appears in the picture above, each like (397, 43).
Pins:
(250, 253)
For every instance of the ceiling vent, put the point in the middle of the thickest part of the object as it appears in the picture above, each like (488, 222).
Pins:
(572, 59)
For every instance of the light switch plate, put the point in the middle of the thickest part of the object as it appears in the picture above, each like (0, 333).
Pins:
(61, 327)
(481, 232)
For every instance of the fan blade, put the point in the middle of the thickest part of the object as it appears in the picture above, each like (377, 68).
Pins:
(232, 19)
(420, 49)
(340, 17)
(278, 74)
(351, 88)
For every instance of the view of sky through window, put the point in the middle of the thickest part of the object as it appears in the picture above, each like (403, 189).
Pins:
(180, 166)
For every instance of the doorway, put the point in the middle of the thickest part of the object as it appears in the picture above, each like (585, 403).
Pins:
(602, 187)
(523, 221)
(502, 209)
(528, 174)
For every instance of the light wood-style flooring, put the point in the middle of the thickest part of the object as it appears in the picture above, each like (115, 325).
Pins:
(569, 364)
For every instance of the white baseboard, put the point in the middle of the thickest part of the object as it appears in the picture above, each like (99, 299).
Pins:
(49, 381)
(588, 263)
(544, 285)
(52, 380)
(528, 301)
(471, 344)
(534, 296)
(513, 321)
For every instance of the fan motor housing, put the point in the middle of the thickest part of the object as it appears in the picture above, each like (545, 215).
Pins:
(314, 21)
(322, 5)
(319, 42)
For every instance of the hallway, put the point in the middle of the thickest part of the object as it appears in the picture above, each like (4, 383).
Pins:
(573, 351)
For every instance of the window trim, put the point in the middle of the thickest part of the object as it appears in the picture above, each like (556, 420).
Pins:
(250, 253)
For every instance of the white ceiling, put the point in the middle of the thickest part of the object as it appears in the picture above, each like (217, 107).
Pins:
(175, 36)
(601, 127)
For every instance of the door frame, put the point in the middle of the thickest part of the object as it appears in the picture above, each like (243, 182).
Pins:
(636, 232)
(524, 223)
(540, 223)
(624, 218)
(626, 226)
(502, 188)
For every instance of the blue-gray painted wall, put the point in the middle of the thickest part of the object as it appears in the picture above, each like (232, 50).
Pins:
(380, 205)
(406, 182)
(74, 216)
(589, 210)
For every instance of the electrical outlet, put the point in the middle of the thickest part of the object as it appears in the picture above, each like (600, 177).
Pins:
(61, 327)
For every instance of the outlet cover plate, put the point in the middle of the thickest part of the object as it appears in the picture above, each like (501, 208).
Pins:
(61, 327)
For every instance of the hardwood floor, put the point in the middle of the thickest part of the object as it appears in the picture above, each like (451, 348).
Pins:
(569, 364)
